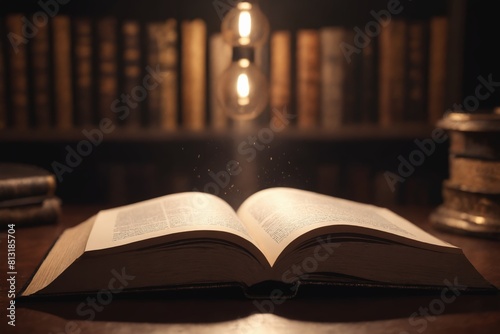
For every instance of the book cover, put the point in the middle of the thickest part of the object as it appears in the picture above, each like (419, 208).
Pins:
(437, 68)
(18, 72)
(417, 72)
(132, 72)
(21, 180)
(392, 76)
(194, 40)
(83, 55)
(281, 71)
(308, 78)
(63, 94)
(219, 60)
(107, 84)
(40, 65)
(333, 77)
(46, 212)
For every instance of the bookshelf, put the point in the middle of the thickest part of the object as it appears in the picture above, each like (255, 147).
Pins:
(349, 133)
(175, 152)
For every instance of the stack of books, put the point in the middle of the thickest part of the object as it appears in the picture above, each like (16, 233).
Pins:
(27, 195)
(472, 193)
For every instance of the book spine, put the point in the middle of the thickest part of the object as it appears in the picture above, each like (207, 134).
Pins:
(392, 72)
(40, 60)
(48, 212)
(475, 175)
(308, 78)
(132, 69)
(263, 61)
(352, 86)
(281, 71)
(479, 204)
(437, 68)
(83, 70)
(62, 72)
(193, 73)
(416, 91)
(220, 59)
(154, 33)
(333, 66)
(27, 187)
(107, 68)
(168, 59)
(3, 102)
(368, 82)
(18, 72)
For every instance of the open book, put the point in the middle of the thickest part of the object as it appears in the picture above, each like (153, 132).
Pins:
(278, 234)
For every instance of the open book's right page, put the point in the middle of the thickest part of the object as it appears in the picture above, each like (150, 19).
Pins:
(278, 216)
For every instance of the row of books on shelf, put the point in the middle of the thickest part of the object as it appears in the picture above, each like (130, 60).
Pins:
(74, 72)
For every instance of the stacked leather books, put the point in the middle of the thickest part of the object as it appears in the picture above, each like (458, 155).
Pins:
(27, 195)
(472, 192)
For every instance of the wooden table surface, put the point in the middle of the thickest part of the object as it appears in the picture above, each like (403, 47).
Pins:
(365, 312)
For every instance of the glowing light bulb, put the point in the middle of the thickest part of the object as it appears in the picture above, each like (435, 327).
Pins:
(242, 90)
(245, 25)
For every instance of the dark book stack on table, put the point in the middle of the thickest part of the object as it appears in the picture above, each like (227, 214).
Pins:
(27, 195)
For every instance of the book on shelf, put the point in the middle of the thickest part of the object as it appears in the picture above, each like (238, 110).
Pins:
(189, 240)
(416, 91)
(333, 74)
(168, 60)
(308, 78)
(154, 36)
(63, 93)
(18, 72)
(194, 40)
(392, 72)
(132, 71)
(263, 63)
(162, 53)
(368, 83)
(40, 65)
(83, 55)
(107, 81)
(219, 60)
(280, 96)
(438, 53)
(351, 108)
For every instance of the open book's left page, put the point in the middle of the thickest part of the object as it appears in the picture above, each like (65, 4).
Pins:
(167, 215)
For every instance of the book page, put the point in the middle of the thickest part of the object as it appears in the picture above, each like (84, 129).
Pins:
(278, 216)
(162, 216)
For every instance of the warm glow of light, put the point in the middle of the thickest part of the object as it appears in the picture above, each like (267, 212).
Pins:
(245, 24)
(243, 89)
(245, 63)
